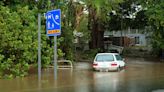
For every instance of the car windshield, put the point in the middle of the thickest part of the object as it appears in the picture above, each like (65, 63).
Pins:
(101, 58)
(118, 57)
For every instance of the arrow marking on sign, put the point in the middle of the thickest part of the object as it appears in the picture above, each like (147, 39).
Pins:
(55, 21)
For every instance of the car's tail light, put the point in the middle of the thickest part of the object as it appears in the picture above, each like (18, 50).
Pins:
(114, 64)
(94, 64)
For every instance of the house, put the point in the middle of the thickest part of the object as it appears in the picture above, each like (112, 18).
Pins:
(126, 38)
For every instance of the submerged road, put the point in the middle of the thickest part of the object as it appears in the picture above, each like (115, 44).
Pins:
(139, 76)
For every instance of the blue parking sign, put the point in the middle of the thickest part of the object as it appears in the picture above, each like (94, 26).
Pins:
(53, 22)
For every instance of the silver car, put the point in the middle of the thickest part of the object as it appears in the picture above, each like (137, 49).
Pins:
(108, 61)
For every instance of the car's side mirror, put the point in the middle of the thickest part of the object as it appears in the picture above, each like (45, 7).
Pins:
(123, 59)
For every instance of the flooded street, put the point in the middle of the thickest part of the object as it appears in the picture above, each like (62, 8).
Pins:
(139, 76)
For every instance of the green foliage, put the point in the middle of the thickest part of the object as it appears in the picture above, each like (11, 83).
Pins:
(15, 40)
(83, 28)
(158, 41)
(67, 44)
(155, 12)
(90, 54)
(155, 19)
(99, 19)
(18, 35)
(19, 41)
(155, 15)
(68, 26)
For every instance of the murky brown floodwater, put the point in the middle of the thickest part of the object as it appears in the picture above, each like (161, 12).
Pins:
(139, 76)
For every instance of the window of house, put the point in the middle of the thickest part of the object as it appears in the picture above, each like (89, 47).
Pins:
(136, 40)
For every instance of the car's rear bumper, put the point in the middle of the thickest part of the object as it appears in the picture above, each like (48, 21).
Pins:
(109, 68)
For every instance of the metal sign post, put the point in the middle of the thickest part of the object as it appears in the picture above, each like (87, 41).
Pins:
(53, 28)
(39, 47)
(55, 57)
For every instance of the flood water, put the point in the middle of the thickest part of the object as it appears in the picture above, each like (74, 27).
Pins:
(139, 76)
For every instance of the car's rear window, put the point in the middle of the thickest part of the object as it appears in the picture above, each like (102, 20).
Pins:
(118, 57)
(101, 58)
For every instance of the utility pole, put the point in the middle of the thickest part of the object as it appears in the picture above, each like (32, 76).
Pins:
(121, 32)
(121, 40)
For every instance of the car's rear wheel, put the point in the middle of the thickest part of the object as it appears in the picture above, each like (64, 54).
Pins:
(119, 68)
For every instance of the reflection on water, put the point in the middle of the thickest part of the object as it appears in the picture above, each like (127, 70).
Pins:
(109, 81)
(138, 77)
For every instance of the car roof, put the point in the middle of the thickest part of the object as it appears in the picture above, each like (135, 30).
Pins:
(107, 53)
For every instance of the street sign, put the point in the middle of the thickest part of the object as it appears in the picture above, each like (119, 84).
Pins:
(53, 22)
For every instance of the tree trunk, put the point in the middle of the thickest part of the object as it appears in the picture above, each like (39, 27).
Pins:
(97, 32)
(97, 35)
(100, 40)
